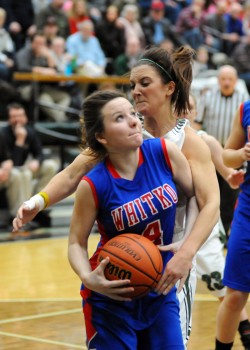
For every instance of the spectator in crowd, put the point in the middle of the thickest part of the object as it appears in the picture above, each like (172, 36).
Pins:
(20, 20)
(201, 61)
(174, 7)
(87, 51)
(121, 3)
(65, 65)
(234, 26)
(210, 6)
(97, 9)
(215, 113)
(25, 150)
(125, 61)
(111, 37)
(50, 29)
(54, 9)
(168, 45)
(10, 180)
(67, 6)
(246, 17)
(60, 55)
(38, 58)
(215, 27)
(189, 23)
(77, 13)
(240, 59)
(86, 48)
(157, 28)
(129, 20)
(144, 6)
(6, 50)
(39, 5)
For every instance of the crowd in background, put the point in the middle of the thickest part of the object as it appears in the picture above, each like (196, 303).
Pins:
(106, 37)
(96, 38)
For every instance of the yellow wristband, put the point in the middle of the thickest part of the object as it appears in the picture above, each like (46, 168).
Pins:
(45, 197)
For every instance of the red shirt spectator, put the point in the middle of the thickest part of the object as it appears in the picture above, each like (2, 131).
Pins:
(77, 14)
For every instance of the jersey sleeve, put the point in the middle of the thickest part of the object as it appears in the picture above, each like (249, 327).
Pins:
(93, 189)
(165, 152)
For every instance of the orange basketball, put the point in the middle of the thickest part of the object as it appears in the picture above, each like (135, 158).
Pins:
(133, 257)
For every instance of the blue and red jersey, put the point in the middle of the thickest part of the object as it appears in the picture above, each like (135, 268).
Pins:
(145, 205)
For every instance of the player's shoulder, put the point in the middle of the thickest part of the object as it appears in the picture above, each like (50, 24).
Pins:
(194, 145)
(191, 137)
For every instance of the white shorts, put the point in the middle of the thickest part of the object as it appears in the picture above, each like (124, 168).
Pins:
(208, 266)
(186, 295)
(210, 261)
(186, 300)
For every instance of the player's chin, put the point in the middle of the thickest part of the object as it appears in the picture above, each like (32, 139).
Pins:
(136, 139)
(141, 108)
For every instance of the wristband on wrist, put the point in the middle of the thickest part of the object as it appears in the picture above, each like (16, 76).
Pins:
(35, 200)
(45, 197)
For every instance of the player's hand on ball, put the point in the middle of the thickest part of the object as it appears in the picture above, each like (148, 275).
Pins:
(177, 269)
(173, 247)
(97, 282)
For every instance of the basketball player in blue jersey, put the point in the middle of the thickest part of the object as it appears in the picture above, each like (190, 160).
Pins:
(237, 273)
(160, 84)
(210, 259)
(132, 190)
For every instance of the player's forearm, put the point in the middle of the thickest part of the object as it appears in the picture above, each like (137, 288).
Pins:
(65, 182)
(217, 159)
(233, 158)
(78, 259)
(205, 222)
(60, 187)
(192, 213)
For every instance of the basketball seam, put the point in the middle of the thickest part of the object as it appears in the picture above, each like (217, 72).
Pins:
(132, 265)
(124, 235)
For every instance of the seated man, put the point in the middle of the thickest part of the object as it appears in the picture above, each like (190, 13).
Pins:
(10, 180)
(38, 58)
(90, 58)
(6, 50)
(86, 48)
(25, 150)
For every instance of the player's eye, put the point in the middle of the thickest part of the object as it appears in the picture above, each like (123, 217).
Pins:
(119, 117)
(134, 114)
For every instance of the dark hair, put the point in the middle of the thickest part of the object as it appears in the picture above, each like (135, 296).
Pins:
(176, 67)
(14, 105)
(92, 119)
(37, 33)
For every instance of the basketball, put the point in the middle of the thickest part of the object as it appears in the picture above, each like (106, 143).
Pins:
(133, 257)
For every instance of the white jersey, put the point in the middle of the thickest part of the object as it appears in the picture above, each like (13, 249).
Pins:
(208, 265)
(177, 135)
(186, 296)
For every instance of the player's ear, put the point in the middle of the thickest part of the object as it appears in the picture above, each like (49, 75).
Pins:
(100, 138)
(170, 88)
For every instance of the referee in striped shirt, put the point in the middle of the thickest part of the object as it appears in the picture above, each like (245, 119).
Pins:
(216, 112)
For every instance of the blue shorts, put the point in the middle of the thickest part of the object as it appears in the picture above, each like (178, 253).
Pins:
(108, 330)
(237, 269)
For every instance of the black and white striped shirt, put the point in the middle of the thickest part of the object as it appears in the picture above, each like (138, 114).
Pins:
(216, 112)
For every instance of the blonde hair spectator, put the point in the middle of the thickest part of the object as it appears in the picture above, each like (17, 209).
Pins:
(129, 20)
(78, 13)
